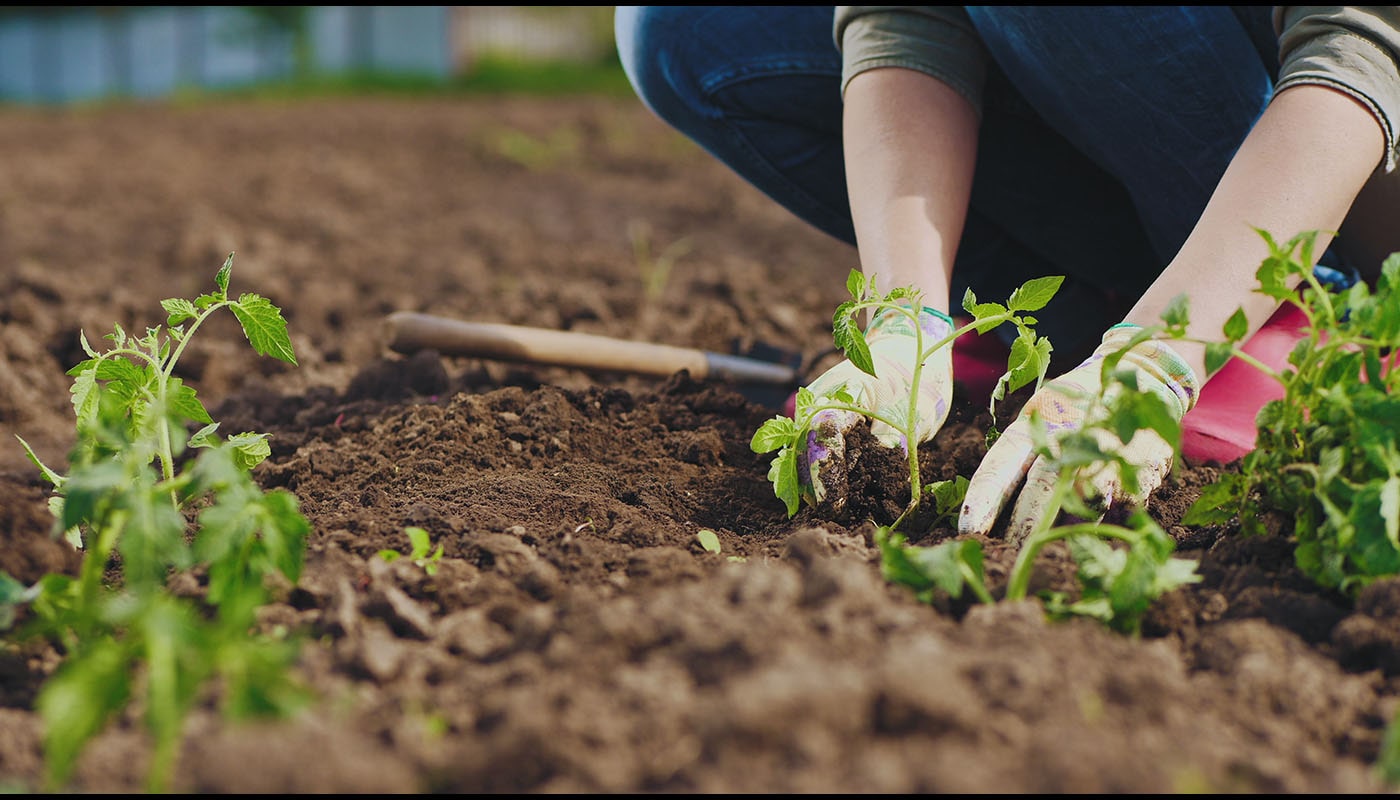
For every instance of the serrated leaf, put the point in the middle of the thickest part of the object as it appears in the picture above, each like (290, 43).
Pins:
(1035, 293)
(783, 475)
(986, 315)
(855, 285)
(902, 293)
(178, 311)
(772, 435)
(249, 449)
(221, 277)
(184, 404)
(849, 338)
(264, 326)
(85, 398)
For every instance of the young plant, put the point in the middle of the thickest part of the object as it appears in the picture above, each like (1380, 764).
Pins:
(421, 552)
(1028, 361)
(127, 502)
(1327, 454)
(1118, 583)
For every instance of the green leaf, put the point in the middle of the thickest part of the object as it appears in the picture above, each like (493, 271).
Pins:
(855, 285)
(153, 539)
(850, 339)
(948, 495)
(249, 449)
(1035, 293)
(221, 277)
(776, 433)
(49, 475)
(1027, 362)
(1218, 502)
(76, 702)
(1217, 355)
(986, 315)
(1177, 315)
(263, 325)
(783, 475)
(178, 311)
(946, 566)
(85, 398)
(1237, 326)
(419, 541)
(708, 539)
(184, 405)
(284, 532)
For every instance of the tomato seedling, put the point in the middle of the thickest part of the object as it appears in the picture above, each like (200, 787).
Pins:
(128, 503)
(421, 551)
(1027, 362)
(1327, 453)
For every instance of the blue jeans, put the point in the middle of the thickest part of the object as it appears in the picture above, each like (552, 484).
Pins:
(1104, 131)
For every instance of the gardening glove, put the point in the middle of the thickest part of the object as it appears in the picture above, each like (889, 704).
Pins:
(1012, 461)
(822, 468)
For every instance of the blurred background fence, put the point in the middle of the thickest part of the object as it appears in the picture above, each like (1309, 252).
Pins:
(66, 54)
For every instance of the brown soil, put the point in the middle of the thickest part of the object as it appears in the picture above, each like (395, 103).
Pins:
(577, 636)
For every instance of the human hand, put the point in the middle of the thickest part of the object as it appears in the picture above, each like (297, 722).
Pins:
(1012, 463)
(894, 342)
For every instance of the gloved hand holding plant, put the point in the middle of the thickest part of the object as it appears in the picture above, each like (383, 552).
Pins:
(899, 375)
(1113, 472)
(881, 386)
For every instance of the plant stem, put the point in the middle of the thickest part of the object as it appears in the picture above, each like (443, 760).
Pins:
(1020, 580)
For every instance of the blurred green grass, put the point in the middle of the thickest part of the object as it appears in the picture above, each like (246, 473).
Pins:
(490, 75)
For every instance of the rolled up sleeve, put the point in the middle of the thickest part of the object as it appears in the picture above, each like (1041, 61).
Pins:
(1353, 49)
(936, 40)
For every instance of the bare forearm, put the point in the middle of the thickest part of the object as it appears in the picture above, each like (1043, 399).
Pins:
(1299, 169)
(910, 147)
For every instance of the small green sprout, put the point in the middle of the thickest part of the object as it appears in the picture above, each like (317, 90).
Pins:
(421, 552)
(708, 540)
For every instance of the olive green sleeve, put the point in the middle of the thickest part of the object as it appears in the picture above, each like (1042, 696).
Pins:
(1353, 49)
(935, 40)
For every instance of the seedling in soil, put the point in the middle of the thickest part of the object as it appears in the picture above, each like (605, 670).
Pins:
(708, 540)
(143, 507)
(1117, 584)
(947, 497)
(421, 551)
(1327, 454)
(1028, 361)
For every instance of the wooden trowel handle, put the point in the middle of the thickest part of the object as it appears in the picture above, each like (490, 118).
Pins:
(409, 332)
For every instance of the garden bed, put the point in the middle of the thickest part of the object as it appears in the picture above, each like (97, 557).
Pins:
(577, 636)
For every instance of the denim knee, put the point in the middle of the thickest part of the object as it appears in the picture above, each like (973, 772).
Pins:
(651, 43)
